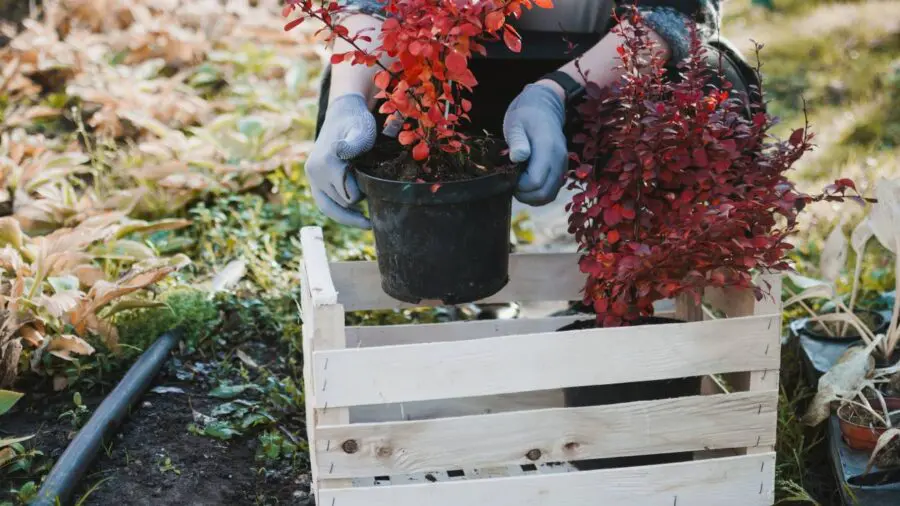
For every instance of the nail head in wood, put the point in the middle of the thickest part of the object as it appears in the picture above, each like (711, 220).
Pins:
(350, 446)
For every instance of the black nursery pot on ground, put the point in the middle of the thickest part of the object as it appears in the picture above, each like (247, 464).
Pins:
(445, 241)
(598, 395)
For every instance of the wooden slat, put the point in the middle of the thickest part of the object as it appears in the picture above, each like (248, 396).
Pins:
(386, 335)
(533, 277)
(445, 408)
(551, 435)
(733, 481)
(767, 379)
(323, 329)
(315, 261)
(509, 364)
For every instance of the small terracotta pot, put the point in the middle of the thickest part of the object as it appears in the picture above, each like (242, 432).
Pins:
(860, 437)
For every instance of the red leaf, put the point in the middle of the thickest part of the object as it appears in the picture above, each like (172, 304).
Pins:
(612, 236)
(546, 4)
(612, 216)
(293, 24)
(383, 79)
(512, 39)
(494, 20)
(797, 137)
(435, 187)
(407, 137)
(420, 152)
(338, 58)
(466, 105)
(456, 63)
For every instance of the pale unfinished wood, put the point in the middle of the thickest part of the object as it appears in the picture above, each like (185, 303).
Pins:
(533, 277)
(446, 408)
(741, 303)
(735, 481)
(551, 435)
(508, 364)
(315, 261)
(387, 335)
(323, 329)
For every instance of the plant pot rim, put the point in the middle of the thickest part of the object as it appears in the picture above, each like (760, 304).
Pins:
(843, 420)
(812, 334)
(451, 192)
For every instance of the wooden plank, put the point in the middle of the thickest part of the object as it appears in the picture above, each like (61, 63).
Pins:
(328, 334)
(323, 329)
(386, 335)
(315, 261)
(445, 408)
(551, 435)
(533, 277)
(508, 364)
(735, 481)
(766, 379)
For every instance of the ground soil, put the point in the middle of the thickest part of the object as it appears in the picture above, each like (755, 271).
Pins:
(389, 160)
(210, 471)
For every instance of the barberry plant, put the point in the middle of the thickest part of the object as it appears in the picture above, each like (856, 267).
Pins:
(429, 44)
(676, 187)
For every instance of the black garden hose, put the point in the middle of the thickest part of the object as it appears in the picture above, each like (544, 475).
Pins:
(67, 473)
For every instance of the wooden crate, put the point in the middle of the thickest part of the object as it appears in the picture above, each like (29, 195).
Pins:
(472, 412)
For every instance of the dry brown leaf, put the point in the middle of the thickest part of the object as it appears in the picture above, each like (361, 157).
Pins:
(64, 346)
(31, 336)
(883, 440)
(844, 380)
(10, 352)
(59, 303)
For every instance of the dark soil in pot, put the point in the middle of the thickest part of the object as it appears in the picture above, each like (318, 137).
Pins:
(599, 395)
(873, 320)
(445, 239)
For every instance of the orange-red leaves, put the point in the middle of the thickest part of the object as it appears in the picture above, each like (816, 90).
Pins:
(456, 62)
(407, 137)
(383, 79)
(494, 21)
(546, 4)
(512, 39)
(420, 152)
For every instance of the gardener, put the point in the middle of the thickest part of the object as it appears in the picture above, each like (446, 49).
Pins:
(526, 97)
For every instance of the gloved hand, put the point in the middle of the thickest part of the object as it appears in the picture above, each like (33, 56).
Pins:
(347, 132)
(533, 127)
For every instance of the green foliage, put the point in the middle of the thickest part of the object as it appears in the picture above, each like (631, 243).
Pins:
(79, 413)
(8, 399)
(187, 308)
(274, 446)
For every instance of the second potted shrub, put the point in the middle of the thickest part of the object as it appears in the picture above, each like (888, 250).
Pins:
(676, 190)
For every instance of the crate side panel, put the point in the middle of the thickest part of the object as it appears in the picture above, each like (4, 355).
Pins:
(551, 435)
(446, 408)
(547, 361)
(735, 481)
(532, 277)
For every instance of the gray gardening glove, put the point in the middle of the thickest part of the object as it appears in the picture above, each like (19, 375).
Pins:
(347, 132)
(533, 127)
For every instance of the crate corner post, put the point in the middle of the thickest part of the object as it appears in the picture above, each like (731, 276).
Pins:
(323, 330)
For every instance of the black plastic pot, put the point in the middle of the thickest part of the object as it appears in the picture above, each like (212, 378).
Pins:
(447, 242)
(598, 395)
(814, 331)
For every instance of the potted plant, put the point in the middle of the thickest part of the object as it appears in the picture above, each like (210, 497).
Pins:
(675, 190)
(439, 198)
(844, 322)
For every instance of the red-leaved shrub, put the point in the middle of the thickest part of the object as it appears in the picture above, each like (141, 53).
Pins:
(676, 189)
